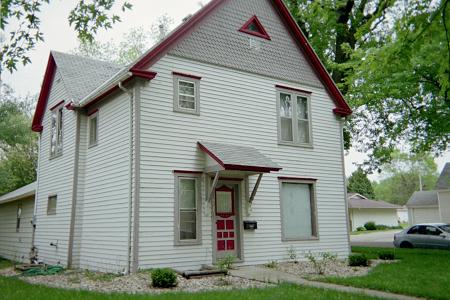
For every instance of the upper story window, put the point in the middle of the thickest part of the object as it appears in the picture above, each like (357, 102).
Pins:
(56, 134)
(51, 205)
(186, 93)
(93, 128)
(294, 118)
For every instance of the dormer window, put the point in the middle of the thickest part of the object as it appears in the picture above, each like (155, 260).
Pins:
(56, 133)
(255, 28)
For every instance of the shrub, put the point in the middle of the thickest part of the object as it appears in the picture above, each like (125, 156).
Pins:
(361, 229)
(370, 226)
(358, 260)
(321, 261)
(381, 227)
(226, 262)
(386, 255)
(164, 278)
(292, 254)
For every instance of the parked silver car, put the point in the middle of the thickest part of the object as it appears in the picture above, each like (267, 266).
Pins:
(430, 235)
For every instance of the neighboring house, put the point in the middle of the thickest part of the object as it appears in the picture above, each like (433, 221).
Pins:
(223, 139)
(402, 214)
(363, 210)
(16, 215)
(432, 206)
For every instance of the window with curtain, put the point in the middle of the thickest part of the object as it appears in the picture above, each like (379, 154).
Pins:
(56, 135)
(188, 211)
(294, 118)
(298, 211)
(186, 95)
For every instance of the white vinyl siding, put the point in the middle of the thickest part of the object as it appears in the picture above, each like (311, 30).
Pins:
(298, 215)
(15, 244)
(187, 204)
(294, 121)
(167, 145)
(186, 95)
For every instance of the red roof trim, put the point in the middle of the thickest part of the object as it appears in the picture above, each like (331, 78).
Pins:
(186, 75)
(187, 172)
(90, 113)
(43, 95)
(279, 86)
(342, 108)
(167, 43)
(262, 31)
(143, 74)
(70, 106)
(212, 155)
(297, 178)
(56, 105)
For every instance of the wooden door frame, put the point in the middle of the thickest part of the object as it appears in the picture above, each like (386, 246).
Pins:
(238, 185)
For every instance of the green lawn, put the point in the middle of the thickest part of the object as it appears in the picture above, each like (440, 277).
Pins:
(420, 272)
(15, 289)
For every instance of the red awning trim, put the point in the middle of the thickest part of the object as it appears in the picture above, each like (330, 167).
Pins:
(297, 178)
(186, 75)
(187, 172)
(279, 86)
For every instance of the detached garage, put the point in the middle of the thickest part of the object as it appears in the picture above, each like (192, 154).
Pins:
(16, 230)
(363, 210)
(423, 207)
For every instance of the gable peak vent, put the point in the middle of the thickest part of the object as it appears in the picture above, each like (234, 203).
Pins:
(254, 27)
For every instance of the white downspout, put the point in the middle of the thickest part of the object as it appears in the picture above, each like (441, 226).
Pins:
(130, 202)
(34, 220)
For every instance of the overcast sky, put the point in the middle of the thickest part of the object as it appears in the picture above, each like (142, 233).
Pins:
(59, 36)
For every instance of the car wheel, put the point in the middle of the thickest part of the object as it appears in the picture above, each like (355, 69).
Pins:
(406, 245)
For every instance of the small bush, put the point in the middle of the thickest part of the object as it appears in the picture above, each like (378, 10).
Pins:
(164, 278)
(358, 260)
(386, 255)
(321, 261)
(381, 227)
(370, 226)
(292, 254)
(361, 229)
(226, 263)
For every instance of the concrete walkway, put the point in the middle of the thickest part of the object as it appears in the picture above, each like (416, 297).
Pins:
(274, 276)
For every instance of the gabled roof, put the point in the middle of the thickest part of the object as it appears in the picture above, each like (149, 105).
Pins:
(149, 58)
(238, 158)
(359, 201)
(443, 182)
(21, 193)
(423, 198)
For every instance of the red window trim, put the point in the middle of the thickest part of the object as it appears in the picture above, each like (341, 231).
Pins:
(225, 189)
(262, 34)
(297, 178)
(56, 105)
(92, 112)
(186, 75)
(187, 172)
(279, 86)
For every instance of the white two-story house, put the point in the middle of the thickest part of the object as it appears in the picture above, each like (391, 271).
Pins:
(223, 139)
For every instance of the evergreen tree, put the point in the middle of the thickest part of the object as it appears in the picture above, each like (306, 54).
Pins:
(359, 183)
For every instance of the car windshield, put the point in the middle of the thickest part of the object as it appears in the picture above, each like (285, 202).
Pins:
(446, 228)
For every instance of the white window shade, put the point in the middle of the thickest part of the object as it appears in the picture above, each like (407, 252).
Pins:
(296, 211)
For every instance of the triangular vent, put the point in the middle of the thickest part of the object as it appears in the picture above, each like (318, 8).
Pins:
(254, 27)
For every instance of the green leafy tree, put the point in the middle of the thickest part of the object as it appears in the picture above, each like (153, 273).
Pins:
(404, 175)
(391, 60)
(18, 144)
(359, 183)
(87, 18)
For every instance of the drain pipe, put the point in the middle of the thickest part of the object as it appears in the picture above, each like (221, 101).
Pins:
(130, 202)
(33, 250)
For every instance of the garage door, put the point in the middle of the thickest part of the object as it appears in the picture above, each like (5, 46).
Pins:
(425, 215)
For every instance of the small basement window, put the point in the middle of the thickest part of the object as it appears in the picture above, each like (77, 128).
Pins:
(93, 128)
(51, 205)
(186, 93)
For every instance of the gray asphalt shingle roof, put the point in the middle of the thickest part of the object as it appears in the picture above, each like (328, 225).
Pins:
(423, 198)
(20, 193)
(443, 182)
(82, 75)
(235, 156)
(357, 201)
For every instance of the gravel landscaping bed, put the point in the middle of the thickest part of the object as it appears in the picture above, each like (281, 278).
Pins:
(137, 283)
(339, 268)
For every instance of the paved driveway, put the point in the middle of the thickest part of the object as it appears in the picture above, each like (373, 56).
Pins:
(374, 239)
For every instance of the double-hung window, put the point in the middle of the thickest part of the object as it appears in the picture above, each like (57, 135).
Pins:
(294, 118)
(56, 134)
(186, 93)
(298, 210)
(51, 204)
(187, 209)
(93, 128)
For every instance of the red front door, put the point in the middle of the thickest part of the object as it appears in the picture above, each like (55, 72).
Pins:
(226, 227)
